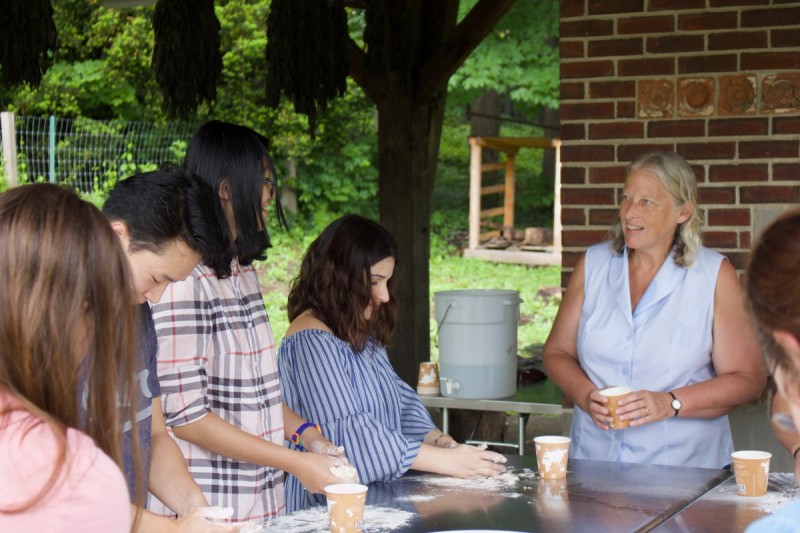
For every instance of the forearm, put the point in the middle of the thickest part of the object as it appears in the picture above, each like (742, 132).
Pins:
(170, 480)
(150, 522)
(432, 459)
(218, 436)
(718, 396)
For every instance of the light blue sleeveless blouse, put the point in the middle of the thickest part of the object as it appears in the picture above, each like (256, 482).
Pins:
(664, 344)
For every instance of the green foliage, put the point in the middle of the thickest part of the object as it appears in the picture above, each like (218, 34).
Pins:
(78, 89)
(519, 57)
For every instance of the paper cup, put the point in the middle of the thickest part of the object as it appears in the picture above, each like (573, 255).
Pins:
(552, 454)
(346, 506)
(428, 383)
(751, 469)
(614, 394)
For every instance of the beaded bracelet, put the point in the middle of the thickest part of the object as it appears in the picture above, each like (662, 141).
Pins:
(295, 438)
(436, 440)
(794, 454)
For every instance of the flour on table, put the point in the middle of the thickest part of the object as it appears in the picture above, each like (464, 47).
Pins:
(315, 520)
(501, 481)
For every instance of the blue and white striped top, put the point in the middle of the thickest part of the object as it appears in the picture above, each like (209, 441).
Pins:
(359, 401)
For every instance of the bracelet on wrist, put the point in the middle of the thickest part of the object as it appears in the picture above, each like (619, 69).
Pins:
(794, 453)
(295, 438)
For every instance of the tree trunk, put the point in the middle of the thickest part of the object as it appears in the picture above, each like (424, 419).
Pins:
(408, 148)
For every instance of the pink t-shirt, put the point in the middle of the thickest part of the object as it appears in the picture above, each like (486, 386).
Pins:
(89, 495)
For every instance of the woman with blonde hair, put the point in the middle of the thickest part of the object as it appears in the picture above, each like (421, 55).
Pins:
(654, 310)
(66, 313)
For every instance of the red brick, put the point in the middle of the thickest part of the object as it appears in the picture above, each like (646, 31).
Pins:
(707, 21)
(587, 153)
(671, 44)
(785, 38)
(617, 130)
(603, 217)
(720, 239)
(628, 152)
(770, 61)
(768, 149)
(725, 127)
(586, 69)
(585, 28)
(569, 259)
(615, 47)
(728, 217)
(572, 8)
(716, 195)
(604, 7)
(721, 173)
(586, 237)
(786, 171)
(736, 40)
(612, 89)
(626, 109)
(771, 17)
(729, 3)
(676, 128)
(708, 63)
(674, 5)
(646, 67)
(770, 194)
(573, 132)
(744, 240)
(571, 49)
(573, 175)
(711, 150)
(583, 111)
(572, 91)
(737, 259)
(572, 216)
(607, 174)
(786, 125)
(648, 25)
(583, 196)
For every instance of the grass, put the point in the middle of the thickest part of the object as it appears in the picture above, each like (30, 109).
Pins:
(448, 271)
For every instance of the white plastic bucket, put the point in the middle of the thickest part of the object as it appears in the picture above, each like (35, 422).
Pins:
(477, 335)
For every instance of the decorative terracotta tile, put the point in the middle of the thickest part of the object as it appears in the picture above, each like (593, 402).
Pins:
(695, 97)
(656, 98)
(780, 93)
(737, 95)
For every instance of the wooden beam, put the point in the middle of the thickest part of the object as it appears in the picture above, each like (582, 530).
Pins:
(493, 189)
(508, 201)
(455, 49)
(357, 68)
(475, 157)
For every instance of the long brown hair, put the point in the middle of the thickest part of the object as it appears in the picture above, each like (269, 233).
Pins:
(772, 285)
(334, 281)
(66, 310)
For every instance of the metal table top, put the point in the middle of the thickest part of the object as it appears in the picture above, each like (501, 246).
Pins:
(721, 509)
(596, 496)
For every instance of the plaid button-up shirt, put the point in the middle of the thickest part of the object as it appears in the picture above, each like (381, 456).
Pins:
(217, 354)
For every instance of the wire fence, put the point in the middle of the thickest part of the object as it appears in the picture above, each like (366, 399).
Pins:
(93, 154)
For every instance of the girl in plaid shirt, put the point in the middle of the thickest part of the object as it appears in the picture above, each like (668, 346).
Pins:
(217, 359)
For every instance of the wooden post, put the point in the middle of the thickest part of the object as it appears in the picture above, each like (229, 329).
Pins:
(508, 202)
(475, 157)
(9, 147)
(557, 200)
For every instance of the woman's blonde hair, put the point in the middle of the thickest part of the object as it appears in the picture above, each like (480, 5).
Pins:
(67, 313)
(677, 177)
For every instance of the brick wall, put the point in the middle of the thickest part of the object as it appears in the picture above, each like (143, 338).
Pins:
(717, 81)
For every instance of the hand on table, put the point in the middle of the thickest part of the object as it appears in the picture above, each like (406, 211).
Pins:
(474, 461)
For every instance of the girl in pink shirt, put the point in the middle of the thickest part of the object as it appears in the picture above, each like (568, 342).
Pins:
(66, 311)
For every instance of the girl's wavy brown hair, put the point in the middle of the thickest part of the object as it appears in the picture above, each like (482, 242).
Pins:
(772, 286)
(334, 281)
(65, 288)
